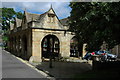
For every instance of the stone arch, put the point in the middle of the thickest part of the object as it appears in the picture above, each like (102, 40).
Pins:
(12, 44)
(19, 45)
(50, 46)
(9, 44)
(15, 45)
(75, 47)
(14, 38)
(24, 47)
(10, 39)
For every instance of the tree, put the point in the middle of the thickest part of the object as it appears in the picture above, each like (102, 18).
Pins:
(19, 15)
(95, 22)
(8, 15)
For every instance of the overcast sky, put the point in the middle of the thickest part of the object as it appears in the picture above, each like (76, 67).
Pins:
(62, 9)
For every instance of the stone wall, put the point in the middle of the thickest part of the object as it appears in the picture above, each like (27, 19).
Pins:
(37, 37)
(34, 37)
(116, 50)
(17, 42)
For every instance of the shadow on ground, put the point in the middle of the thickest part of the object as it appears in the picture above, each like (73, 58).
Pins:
(64, 69)
(102, 71)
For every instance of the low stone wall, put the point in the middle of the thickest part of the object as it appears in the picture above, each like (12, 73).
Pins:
(97, 65)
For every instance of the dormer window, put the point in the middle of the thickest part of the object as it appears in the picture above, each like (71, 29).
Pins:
(51, 18)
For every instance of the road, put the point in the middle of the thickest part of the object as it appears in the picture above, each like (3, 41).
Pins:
(14, 68)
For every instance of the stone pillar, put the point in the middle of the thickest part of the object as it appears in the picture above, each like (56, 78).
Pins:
(36, 52)
(117, 50)
(84, 51)
(65, 47)
(36, 47)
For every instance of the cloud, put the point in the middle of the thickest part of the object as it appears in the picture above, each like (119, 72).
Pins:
(62, 9)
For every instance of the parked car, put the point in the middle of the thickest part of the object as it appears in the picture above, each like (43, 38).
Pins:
(111, 56)
(99, 52)
(106, 55)
(103, 56)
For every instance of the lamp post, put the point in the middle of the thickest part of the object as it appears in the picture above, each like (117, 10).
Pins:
(51, 51)
(50, 62)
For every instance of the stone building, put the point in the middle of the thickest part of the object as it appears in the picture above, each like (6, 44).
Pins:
(39, 36)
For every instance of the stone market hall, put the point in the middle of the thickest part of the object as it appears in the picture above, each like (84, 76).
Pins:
(38, 36)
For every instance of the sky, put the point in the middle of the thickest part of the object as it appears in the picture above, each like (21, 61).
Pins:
(62, 9)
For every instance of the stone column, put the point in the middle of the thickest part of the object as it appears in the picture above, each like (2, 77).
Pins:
(117, 50)
(65, 47)
(36, 54)
(84, 51)
(36, 47)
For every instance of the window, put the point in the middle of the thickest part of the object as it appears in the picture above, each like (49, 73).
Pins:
(51, 18)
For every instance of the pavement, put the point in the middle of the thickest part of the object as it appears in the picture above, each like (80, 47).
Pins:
(64, 69)
(14, 68)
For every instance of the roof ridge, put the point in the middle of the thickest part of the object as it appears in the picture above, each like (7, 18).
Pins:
(32, 13)
(64, 18)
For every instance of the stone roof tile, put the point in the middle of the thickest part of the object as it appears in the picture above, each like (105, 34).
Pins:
(30, 17)
(64, 21)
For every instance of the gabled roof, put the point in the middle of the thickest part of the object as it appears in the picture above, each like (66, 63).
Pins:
(64, 21)
(33, 17)
(39, 17)
(30, 16)
(55, 15)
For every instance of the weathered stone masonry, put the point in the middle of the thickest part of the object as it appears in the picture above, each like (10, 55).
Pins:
(29, 36)
(36, 36)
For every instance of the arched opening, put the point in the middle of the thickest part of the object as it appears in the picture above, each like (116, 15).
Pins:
(14, 39)
(75, 47)
(15, 47)
(24, 43)
(50, 46)
(19, 45)
(11, 44)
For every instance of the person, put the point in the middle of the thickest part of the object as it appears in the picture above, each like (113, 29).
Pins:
(87, 56)
(104, 56)
(93, 53)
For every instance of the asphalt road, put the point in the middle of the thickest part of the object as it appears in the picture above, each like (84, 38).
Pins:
(14, 68)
